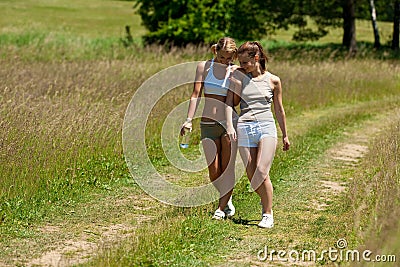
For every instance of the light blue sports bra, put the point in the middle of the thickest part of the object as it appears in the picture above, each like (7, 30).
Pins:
(213, 86)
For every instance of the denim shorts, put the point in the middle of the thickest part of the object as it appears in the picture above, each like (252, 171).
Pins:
(249, 133)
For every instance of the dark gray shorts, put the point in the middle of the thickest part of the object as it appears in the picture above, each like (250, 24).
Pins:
(212, 130)
(215, 129)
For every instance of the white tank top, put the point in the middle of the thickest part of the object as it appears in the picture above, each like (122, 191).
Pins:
(214, 86)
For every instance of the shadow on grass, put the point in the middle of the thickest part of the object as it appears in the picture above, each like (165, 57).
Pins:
(245, 221)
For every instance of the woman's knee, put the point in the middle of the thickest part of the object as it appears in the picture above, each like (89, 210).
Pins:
(263, 171)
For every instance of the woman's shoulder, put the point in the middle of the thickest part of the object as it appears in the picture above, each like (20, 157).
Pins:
(273, 78)
(274, 81)
(238, 71)
(237, 68)
(202, 65)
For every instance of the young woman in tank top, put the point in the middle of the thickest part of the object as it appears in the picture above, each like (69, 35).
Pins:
(220, 152)
(256, 130)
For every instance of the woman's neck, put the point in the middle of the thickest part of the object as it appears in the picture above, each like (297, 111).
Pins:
(216, 61)
(257, 72)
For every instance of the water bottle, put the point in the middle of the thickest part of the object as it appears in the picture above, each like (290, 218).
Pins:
(185, 139)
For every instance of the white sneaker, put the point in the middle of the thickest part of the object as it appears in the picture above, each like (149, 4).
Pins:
(230, 209)
(219, 215)
(267, 221)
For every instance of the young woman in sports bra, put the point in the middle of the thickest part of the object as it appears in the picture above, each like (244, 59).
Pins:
(256, 130)
(220, 152)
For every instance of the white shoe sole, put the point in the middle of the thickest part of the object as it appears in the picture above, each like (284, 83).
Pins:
(265, 226)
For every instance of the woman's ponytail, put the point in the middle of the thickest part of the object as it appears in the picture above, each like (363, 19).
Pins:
(214, 48)
(263, 56)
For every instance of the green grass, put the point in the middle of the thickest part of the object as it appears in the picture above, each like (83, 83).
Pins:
(364, 33)
(57, 30)
(91, 18)
(62, 121)
(375, 194)
(171, 242)
(66, 83)
(53, 30)
(97, 19)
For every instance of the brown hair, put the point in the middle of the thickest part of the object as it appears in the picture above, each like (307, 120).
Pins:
(253, 49)
(226, 44)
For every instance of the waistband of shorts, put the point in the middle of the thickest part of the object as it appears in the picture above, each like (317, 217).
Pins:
(257, 121)
(211, 122)
(216, 122)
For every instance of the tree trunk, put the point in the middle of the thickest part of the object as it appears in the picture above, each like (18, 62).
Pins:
(377, 43)
(349, 26)
(396, 25)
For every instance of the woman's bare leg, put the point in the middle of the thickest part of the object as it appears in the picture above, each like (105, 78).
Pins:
(258, 161)
(220, 157)
(261, 179)
(212, 152)
(228, 157)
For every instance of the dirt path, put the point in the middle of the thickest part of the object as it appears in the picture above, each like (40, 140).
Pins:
(86, 230)
(328, 185)
(92, 227)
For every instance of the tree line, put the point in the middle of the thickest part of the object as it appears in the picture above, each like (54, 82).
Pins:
(180, 22)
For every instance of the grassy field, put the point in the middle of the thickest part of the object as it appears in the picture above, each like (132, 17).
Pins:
(95, 19)
(67, 79)
(91, 19)
(364, 33)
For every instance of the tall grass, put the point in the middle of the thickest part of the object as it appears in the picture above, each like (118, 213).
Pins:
(175, 241)
(61, 129)
(65, 89)
(375, 194)
(32, 46)
(61, 116)
(60, 137)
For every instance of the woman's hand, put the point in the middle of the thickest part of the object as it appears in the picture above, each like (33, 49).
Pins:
(237, 83)
(230, 131)
(286, 143)
(186, 126)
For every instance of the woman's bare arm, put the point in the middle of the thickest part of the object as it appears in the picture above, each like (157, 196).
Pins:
(279, 110)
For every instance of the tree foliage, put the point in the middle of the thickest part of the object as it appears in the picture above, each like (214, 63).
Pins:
(184, 21)
(180, 22)
(203, 21)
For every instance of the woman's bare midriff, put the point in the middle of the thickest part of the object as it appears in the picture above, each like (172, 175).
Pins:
(214, 108)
